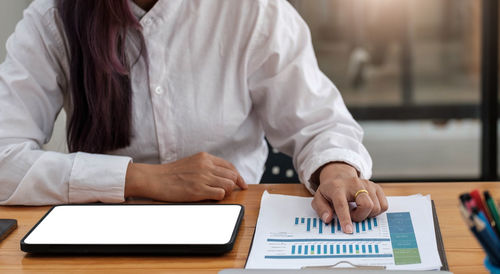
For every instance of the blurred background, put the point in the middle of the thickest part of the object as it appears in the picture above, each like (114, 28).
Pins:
(409, 71)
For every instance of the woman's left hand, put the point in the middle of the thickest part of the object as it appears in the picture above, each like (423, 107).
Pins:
(339, 184)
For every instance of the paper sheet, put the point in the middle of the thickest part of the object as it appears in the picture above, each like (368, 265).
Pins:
(290, 235)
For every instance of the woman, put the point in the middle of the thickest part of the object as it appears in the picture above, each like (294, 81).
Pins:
(170, 100)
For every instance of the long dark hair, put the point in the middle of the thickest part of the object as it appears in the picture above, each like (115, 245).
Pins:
(101, 91)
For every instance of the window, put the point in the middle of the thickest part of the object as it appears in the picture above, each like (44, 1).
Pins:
(410, 73)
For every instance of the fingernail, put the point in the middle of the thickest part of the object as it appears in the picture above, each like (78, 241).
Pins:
(325, 217)
(348, 228)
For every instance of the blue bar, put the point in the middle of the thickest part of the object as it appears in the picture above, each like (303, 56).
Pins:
(308, 224)
(293, 249)
(370, 249)
(331, 249)
(350, 248)
(376, 248)
(333, 226)
(324, 249)
(318, 249)
(363, 248)
(357, 227)
(375, 222)
(312, 248)
(339, 228)
(344, 249)
(320, 226)
(302, 220)
(357, 249)
(314, 222)
(369, 224)
(305, 249)
(300, 249)
(296, 220)
(363, 226)
(338, 249)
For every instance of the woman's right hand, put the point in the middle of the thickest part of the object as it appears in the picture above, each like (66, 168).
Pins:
(195, 178)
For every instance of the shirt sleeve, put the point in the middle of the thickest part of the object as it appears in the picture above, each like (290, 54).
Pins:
(301, 110)
(32, 81)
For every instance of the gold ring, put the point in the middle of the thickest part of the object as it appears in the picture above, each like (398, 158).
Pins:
(359, 192)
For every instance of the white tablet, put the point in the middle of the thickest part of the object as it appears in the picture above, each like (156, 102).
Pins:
(115, 229)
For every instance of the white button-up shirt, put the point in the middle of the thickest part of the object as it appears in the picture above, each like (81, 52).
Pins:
(222, 75)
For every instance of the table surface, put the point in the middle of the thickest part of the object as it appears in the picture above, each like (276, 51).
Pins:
(463, 252)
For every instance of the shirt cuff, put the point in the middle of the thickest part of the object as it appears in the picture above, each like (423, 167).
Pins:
(333, 155)
(98, 178)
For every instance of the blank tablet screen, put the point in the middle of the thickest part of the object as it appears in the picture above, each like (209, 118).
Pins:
(137, 224)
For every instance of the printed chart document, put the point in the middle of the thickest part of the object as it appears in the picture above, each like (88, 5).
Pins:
(290, 235)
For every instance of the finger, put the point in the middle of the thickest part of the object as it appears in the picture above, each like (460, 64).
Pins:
(231, 175)
(224, 183)
(384, 205)
(225, 173)
(323, 207)
(342, 210)
(241, 182)
(213, 193)
(364, 207)
(370, 186)
(225, 164)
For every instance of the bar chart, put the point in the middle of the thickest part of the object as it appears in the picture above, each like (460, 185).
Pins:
(389, 235)
(316, 224)
(313, 249)
(329, 248)
(290, 235)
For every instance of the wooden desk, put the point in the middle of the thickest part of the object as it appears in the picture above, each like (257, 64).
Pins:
(463, 253)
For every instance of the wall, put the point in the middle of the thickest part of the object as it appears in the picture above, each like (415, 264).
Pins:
(11, 11)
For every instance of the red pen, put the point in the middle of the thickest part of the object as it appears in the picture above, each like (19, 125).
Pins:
(476, 196)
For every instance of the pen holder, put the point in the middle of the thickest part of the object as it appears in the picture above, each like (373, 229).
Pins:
(493, 269)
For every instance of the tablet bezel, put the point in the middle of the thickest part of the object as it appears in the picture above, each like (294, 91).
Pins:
(165, 249)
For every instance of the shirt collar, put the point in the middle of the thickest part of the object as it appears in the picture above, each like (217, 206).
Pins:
(136, 10)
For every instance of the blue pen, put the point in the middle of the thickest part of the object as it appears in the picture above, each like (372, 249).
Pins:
(494, 258)
(489, 229)
(490, 239)
(483, 240)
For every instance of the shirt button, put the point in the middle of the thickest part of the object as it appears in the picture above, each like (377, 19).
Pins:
(159, 90)
(148, 21)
